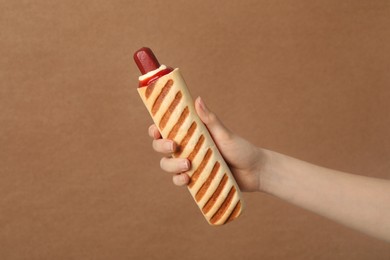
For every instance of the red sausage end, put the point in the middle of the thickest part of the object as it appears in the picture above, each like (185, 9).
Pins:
(145, 60)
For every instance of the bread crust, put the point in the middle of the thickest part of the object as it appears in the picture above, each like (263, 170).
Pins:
(212, 184)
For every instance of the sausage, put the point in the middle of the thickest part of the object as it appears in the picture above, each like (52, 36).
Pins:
(146, 60)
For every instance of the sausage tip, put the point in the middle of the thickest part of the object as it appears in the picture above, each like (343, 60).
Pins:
(146, 60)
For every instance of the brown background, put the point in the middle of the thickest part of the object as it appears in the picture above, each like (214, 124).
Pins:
(79, 179)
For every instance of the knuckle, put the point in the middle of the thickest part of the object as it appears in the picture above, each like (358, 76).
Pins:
(163, 163)
(155, 145)
(150, 131)
(212, 117)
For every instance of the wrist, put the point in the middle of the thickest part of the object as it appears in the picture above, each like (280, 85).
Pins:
(267, 169)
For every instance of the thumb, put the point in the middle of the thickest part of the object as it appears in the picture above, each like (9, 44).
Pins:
(217, 130)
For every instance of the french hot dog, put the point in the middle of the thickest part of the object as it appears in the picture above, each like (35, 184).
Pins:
(168, 100)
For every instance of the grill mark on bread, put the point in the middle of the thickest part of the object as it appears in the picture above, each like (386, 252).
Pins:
(224, 207)
(170, 109)
(200, 169)
(149, 89)
(196, 148)
(235, 212)
(210, 203)
(161, 96)
(172, 134)
(210, 190)
(199, 195)
(185, 140)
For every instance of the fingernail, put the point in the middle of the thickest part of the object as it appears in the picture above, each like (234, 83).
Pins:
(183, 179)
(186, 165)
(202, 105)
(168, 146)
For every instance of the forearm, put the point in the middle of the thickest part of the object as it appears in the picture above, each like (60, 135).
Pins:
(359, 202)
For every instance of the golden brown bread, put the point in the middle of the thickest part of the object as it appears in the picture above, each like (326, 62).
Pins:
(212, 184)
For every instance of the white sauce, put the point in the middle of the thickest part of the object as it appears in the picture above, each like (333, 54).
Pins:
(151, 73)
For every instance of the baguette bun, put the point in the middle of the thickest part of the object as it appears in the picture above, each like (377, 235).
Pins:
(212, 184)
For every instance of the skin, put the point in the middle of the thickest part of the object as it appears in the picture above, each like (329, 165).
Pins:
(359, 202)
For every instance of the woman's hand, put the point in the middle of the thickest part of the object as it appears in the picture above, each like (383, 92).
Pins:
(243, 158)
